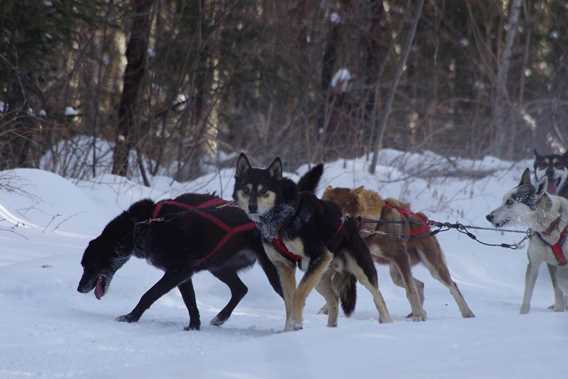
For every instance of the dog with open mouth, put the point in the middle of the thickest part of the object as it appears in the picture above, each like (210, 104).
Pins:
(547, 216)
(553, 167)
(180, 236)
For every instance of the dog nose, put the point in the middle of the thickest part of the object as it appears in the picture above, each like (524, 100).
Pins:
(253, 208)
(489, 217)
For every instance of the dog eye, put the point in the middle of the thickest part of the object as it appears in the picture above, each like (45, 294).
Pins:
(558, 165)
(264, 193)
(245, 191)
(509, 202)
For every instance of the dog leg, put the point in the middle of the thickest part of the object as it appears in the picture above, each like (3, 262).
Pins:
(559, 300)
(188, 296)
(402, 265)
(530, 280)
(325, 288)
(323, 310)
(170, 280)
(371, 284)
(311, 278)
(288, 282)
(397, 280)
(439, 270)
(238, 291)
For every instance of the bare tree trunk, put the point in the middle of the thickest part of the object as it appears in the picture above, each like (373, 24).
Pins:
(379, 133)
(500, 113)
(136, 51)
(328, 65)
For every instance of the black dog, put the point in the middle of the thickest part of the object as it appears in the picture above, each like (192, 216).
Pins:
(193, 232)
(291, 217)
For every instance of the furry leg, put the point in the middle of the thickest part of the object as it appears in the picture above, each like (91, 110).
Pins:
(559, 299)
(288, 282)
(238, 291)
(188, 296)
(325, 288)
(310, 279)
(530, 280)
(402, 265)
(170, 280)
(441, 273)
(373, 288)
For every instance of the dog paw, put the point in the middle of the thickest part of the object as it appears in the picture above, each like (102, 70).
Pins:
(525, 310)
(193, 326)
(560, 308)
(127, 318)
(216, 321)
(293, 326)
(385, 320)
(332, 324)
(419, 317)
(469, 315)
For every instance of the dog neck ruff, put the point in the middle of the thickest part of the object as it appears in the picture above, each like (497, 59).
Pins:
(557, 247)
(200, 209)
(415, 229)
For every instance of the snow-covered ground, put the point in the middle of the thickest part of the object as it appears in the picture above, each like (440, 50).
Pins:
(49, 330)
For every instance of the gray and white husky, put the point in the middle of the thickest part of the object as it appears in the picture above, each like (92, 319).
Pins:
(547, 216)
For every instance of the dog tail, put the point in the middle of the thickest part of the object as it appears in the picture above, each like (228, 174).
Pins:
(310, 180)
(345, 284)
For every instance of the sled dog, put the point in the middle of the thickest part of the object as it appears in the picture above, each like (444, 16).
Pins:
(547, 216)
(401, 239)
(300, 230)
(181, 237)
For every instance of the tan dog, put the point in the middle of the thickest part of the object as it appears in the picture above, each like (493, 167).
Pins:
(387, 248)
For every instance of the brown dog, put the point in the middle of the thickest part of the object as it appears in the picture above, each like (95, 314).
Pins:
(401, 240)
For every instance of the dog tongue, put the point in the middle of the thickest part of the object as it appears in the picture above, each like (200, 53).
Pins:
(551, 188)
(99, 288)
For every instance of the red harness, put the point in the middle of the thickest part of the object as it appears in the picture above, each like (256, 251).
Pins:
(557, 247)
(281, 248)
(415, 229)
(230, 231)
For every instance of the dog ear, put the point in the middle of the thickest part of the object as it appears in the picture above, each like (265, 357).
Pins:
(275, 168)
(243, 165)
(526, 178)
(359, 189)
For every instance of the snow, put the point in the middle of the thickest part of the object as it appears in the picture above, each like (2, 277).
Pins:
(49, 330)
(70, 111)
(342, 78)
(335, 18)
